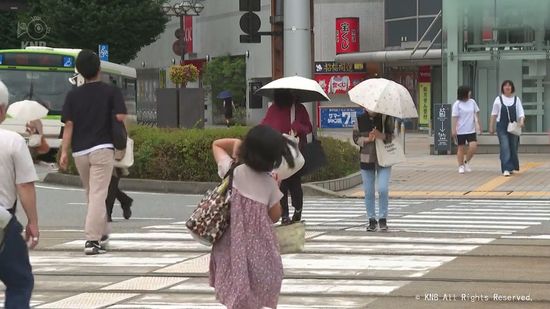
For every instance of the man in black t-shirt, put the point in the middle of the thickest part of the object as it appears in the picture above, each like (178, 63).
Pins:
(87, 114)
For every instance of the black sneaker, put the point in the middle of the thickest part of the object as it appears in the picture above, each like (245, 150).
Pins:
(372, 225)
(93, 247)
(297, 216)
(383, 224)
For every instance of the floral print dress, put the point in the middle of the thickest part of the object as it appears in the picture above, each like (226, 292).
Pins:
(246, 270)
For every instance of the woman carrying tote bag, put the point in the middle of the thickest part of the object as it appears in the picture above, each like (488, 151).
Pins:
(367, 129)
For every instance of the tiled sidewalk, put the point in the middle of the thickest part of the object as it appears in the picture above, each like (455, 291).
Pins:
(436, 176)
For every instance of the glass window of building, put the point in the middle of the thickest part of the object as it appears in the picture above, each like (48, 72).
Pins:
(487, 42)
(407, 20)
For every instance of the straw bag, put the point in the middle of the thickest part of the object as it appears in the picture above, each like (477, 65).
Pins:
(291, 237)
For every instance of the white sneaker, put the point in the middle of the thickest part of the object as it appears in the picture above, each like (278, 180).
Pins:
(506, 173)
(461, 169)
(467, 167)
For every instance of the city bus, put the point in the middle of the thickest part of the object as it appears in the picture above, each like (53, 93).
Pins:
(43, 74)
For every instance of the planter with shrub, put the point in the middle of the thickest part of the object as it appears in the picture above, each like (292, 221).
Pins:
(186, 155)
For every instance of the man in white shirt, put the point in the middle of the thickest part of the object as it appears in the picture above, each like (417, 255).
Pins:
(18, 177)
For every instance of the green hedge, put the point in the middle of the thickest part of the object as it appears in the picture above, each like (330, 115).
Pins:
(186, 155)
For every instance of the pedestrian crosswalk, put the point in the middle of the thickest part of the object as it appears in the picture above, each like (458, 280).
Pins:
(342, 266)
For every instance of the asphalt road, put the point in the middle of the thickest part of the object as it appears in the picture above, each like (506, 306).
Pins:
(437, 254)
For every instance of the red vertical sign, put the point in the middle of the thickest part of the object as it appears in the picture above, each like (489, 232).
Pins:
(188, 36)
(347, 35)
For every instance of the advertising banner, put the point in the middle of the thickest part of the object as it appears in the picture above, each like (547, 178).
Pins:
(424, 103)
(347, 35)
(339, 83)
(338, 117)
(424, 95)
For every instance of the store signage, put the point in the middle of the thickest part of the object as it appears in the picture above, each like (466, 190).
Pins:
(347, 35)
(338, 117)
(424, 95)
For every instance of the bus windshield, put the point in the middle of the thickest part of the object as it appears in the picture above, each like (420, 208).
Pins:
(47, 87)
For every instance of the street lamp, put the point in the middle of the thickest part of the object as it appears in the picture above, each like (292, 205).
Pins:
(184, 8)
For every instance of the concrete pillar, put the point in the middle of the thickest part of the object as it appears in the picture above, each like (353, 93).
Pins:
(297, 42)
(451, 15)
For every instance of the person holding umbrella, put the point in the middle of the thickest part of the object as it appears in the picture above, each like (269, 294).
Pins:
(383, 100)
(287, 115)
(228, 106)
(279, 116)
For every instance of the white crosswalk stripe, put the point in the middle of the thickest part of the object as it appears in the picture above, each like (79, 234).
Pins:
(414, 246)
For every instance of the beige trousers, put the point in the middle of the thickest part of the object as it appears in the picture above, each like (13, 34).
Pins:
(95, 171)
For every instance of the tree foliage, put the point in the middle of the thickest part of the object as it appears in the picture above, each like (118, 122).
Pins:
(125, 25)
(226, 73)
(8, 30)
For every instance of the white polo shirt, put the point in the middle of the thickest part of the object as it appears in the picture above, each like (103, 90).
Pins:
(16, 166)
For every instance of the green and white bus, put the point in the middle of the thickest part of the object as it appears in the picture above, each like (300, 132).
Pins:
(42, 74)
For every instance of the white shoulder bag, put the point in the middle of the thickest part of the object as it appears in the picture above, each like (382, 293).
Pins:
(128, 159)
(513, 127)
(284, 171)
(390, 153)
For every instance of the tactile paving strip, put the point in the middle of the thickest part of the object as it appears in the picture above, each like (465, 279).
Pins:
(198, 265)
(145, 283)
(88, 300)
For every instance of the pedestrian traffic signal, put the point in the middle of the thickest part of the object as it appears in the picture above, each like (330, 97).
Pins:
(250, 22)
(249, 5)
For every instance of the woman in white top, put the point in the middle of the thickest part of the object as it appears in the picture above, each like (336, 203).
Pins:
(507, 108)
(465, 125)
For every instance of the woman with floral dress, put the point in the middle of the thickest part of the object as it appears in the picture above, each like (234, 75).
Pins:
(246, 270)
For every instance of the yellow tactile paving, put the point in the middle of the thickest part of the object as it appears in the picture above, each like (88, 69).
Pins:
(500, 180)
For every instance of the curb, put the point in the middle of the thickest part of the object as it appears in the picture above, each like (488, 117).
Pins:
(340, 184)
(147, 185)
(181, 187)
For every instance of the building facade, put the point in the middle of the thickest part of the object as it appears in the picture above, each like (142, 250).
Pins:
(487, 41)
(387, 33)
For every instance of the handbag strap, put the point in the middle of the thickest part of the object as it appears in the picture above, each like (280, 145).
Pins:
(507, 110)
(229, 175)
(292, 117)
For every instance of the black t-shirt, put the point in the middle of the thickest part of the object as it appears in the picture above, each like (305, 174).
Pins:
(91, 107)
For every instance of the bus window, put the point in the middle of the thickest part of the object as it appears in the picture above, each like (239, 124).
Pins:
(47, 87)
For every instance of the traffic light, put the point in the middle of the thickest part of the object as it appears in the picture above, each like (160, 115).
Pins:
(250, 22)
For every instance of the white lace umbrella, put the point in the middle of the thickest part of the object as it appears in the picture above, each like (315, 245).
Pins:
(385, 97)
(27, 110)
(305, 89)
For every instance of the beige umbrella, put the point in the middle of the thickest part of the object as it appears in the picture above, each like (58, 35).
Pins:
(27, 110)
(385, 97)
(305, 89)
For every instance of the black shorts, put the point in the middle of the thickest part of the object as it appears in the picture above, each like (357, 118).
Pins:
(463, 138)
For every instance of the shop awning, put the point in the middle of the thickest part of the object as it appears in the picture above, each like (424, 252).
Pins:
(402, 57)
